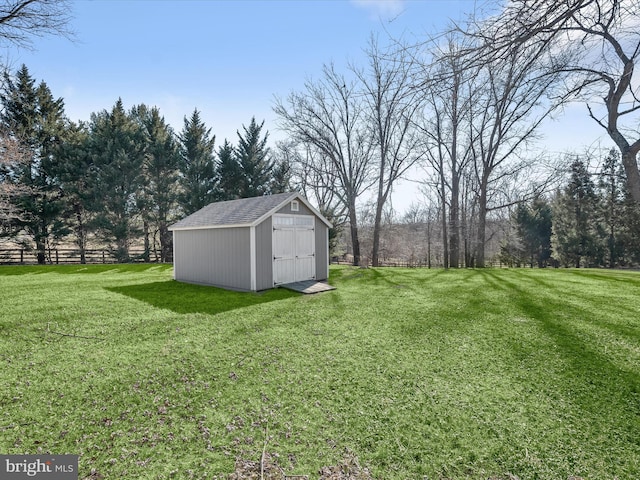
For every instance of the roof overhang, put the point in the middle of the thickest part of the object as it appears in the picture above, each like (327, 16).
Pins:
(295, 196)
(259, 220)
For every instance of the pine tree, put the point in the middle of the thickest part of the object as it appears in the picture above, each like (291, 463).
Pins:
(118, 149)
(197, 165)
(630, 232)
(161, 174)
(621, 214)
(229, 173)
(253, 157)
(534, 226)
(577, 232)
(75, 175)
(281, 176)
(611, 185)
(33, 118)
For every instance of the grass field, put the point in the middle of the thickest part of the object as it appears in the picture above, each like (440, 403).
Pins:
(432, 374)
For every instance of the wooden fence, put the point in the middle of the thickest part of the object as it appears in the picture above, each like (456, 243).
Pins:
(56, 256)
(413, 264)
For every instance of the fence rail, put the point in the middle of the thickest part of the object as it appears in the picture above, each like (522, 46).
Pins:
(56, 256)
(411, 264)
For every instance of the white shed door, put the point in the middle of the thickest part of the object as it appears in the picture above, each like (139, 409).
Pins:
(294, 248)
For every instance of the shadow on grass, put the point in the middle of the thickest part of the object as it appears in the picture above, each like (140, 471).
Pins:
(624, 276)
(591, 377)
(186, 298)
(592, 296)
(395, 277)
(8, 270)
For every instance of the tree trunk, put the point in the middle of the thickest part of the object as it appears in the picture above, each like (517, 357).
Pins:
(481, 237)
(353, 225)
(445, 235)
(612, 249)
(40, 239)
(165, 243)
(429, 243)
(630, 162)
(40, 252)
(146, 255)
(454, 233)
(376, 229)
(81, 234)
(454, 222)
(122, 245)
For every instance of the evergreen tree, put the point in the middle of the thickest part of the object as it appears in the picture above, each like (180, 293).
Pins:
(118, 149)
(612, 187)
(630, 232)
(11, 155)
(229, 173)
(33, 118)
(75, 175)
(253, 157)
(534, 225)
(161, 173)
(197, 165)
(621, 214)
(281, 176)
(577, 234)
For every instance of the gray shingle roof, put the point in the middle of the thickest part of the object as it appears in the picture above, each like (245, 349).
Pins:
(244, 211)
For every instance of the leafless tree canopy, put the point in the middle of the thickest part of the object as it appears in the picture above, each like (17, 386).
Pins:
(326, 118)
(391, 104)
(21, 20)
(594, 44)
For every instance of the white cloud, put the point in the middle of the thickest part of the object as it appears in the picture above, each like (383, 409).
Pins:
(381, 9)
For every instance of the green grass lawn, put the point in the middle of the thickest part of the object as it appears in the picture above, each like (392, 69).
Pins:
(432, 374)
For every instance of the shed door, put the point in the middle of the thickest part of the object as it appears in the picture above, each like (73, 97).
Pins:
(294, 249)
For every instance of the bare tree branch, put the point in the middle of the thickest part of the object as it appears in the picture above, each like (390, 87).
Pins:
(21, 20)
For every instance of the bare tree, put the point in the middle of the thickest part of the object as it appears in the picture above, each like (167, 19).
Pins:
(448, 89)
(307, 178)
(317, 187)
(21, 20)
(595, 45)
(508, 112)
(327, 117)
(391, 106)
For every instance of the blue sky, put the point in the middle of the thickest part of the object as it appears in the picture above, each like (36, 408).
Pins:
(226, 58)
(229, 58)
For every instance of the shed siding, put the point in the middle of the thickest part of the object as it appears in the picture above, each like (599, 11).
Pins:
(303, 210)
(322, 250)
(264, 255)
(217, 257)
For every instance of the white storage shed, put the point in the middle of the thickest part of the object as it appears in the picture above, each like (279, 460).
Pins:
(252, 243)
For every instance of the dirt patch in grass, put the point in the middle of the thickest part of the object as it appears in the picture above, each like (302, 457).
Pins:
(267, 468)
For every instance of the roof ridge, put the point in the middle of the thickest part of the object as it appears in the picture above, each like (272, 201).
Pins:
(233, 212)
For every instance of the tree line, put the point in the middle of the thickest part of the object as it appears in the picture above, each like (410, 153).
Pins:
(459, 112)
(119, 179)
(591, 221)
(588, 220)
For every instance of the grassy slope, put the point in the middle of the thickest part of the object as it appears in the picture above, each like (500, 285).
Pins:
(458, 374)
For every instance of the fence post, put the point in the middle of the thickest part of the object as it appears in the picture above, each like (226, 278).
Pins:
(102, 256)
(21, 256)
(57, 259)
